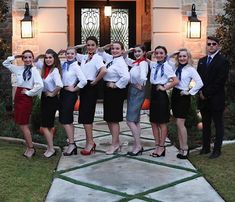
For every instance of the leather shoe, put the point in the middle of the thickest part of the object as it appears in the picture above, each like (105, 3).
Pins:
(215, 154)
(204, 151)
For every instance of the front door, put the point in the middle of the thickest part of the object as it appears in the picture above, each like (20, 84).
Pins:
(90, 21)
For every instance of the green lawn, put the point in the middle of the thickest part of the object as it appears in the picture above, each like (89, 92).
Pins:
(22, 179)
(219, 172)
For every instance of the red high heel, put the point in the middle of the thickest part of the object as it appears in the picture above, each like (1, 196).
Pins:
(86, 152)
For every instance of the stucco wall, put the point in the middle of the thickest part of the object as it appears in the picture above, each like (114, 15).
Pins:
(169, 23)
(49, 25)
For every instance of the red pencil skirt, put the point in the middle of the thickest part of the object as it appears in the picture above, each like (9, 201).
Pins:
(22, 107)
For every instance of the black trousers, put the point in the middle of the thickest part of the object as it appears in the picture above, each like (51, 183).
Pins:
(217, 117)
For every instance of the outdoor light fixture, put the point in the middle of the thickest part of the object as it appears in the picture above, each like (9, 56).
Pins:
(194, 25)
(26, 24)
(107, 10)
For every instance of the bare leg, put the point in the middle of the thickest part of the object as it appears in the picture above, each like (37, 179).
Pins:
(49, 137)
(115, 130)
(156, 135)
(28, 140)
(163, 128)
(135, 129)
(69, 129)
(89, 136)
(182, 133)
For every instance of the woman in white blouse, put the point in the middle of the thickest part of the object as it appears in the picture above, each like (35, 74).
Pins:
(116, 80)
(51, 75)
(29, 84)
(162, 78)
(136, 95)
(94, 69)
(181, 95)
(73, 79)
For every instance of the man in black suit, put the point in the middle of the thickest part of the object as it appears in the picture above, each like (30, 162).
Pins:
(213, 69)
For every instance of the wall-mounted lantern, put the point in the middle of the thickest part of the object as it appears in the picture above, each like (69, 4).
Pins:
(26, 24)
(194, 25)
(107, 10)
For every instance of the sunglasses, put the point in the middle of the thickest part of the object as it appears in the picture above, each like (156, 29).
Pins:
(213, 44)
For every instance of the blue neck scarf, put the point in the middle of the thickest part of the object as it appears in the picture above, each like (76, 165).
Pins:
(67, 64)
(179, 70)
(27, 74)
(160, 65)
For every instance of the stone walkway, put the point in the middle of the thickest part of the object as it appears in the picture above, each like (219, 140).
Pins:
(105, 178)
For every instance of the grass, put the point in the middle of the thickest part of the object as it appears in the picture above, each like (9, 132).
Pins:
(219, 172)
(21, 179)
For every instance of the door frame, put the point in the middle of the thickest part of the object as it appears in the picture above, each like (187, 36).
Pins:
(100, 4)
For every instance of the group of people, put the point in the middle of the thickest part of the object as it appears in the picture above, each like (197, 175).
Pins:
(60, 83)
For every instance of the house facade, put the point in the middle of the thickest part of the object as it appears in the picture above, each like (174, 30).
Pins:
(57, 24)
(61, 23)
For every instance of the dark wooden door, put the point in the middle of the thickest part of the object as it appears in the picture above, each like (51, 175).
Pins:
(90, 20)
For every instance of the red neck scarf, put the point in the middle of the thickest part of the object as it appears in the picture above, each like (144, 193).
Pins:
(47, 71)
(90, 56)
(138, 61)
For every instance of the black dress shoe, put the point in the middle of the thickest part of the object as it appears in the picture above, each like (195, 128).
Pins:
(215, 154)
(204, 151)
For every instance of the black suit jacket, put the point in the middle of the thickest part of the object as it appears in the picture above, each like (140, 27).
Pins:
(214, 77)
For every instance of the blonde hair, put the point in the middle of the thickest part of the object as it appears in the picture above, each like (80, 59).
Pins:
(190, 60)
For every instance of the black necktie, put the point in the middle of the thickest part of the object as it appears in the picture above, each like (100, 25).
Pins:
(209, 58)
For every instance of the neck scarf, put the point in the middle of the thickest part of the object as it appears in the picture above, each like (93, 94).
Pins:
(27, 72)
(138, 61)
(90, 56)
(67, 64)
(160, 65)
(46, 72)
(179, 70)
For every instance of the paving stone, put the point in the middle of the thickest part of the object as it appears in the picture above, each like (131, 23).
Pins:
(64, 191)
(128, 175)
(198, 190)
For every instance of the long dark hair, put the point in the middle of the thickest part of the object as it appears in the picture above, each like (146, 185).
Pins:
(92, 38)
(56, 61)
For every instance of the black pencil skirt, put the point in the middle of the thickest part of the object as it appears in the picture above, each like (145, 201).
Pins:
(88, 98)
(49, 106)
(113, 104)
(67, 101)
(159, 106)
(180, 104)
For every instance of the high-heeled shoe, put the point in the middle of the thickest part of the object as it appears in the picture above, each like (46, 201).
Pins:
(137, 153)
(183, 154)
(50, 155)
(74, 151)
(30, 156)
(113, 150)
(86, 152)
(159, 155)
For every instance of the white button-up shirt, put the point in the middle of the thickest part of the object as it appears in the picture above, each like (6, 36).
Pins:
(168, 73)
(117, 72)
(138, 72)
(92, 67)
(188, 74)
(35, 83)
(72, 75)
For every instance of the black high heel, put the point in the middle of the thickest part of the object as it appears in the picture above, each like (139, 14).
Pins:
(183, 155)
(137, 153)
(74, 151)
(157, 155)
